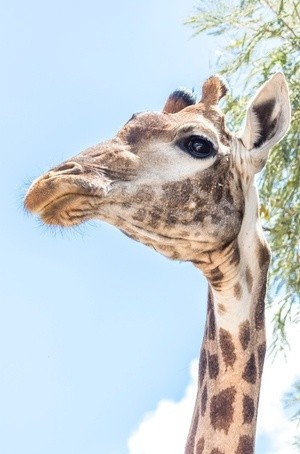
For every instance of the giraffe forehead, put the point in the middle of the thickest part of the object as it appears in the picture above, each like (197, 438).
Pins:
(146, 125)
(158, 126)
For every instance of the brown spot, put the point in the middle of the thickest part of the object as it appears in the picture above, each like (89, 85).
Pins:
(248, 409)
(202, 365)
(203, 400)
(228, 196)
(217, 193)
(179, 193)
(221, 409)
(216, 275)
(200, 446)
(211, 317)
(245, 446)
(221, 309)
(244, 334)
(171, 221)
(263, 255)
(249, 279)
(260, 308)
(237, 290)
(200, 216)
(216, 451)
(235, 255)
(261, 351)
(135, 135)
(213, 366)
(155, 217)
(186, 190)
(250, 372)
(139, 215)
(227, 347)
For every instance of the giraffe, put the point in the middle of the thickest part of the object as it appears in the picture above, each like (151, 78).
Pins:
(180, 182)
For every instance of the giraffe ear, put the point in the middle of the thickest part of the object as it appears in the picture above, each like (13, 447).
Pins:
(213, 90)
(179, 99)
(267, 119)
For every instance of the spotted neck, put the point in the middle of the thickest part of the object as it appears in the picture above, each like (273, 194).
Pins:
(233, 349)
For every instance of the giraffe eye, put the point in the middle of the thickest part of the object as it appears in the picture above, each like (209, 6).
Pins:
(198, 147)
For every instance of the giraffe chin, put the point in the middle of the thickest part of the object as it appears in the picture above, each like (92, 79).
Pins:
(68, 210)
(65, 200)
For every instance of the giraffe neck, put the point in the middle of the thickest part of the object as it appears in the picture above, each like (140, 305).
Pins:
(233, 350)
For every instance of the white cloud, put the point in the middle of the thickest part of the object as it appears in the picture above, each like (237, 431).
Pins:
(278, 377)
(164, 431)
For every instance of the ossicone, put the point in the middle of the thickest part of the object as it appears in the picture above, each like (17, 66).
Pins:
(213, 90)
(179, 99)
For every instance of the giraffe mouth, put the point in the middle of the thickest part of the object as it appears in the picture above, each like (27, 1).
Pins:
(65, 202)
(68, 210)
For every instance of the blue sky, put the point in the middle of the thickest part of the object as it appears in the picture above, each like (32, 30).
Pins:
(95, 329)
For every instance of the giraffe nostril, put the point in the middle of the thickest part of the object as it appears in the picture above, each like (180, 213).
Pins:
(69, 168)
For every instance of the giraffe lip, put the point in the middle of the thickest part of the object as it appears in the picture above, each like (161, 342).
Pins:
(44, 194)
(42, 209)
(67, 210)
(38, 202)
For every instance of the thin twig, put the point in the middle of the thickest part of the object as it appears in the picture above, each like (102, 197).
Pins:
(282, 20)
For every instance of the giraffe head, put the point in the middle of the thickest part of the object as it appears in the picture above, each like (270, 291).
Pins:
(175, 180)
